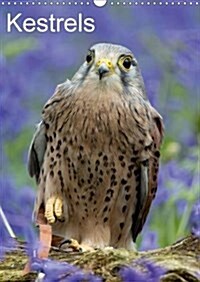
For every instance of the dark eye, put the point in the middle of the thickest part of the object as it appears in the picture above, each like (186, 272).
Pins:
(89, 57)
(127, 63)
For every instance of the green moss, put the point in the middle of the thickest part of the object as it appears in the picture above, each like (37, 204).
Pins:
(180, 260)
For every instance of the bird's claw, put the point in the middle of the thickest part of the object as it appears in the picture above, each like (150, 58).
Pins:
(74, 246)
(71, 244)
(54, 209)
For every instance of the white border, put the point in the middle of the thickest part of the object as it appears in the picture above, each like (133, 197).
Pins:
(87, 3)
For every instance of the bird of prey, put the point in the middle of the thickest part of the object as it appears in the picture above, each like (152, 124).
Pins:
(95, 154)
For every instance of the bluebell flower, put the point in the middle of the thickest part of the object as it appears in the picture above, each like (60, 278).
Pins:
(152, 272)
(195, 219)
(130, 274)
(149, 240)
(17, 205)
(7, 244)
(12, 110)
(81, 276)
(61, 271)
(52, 269)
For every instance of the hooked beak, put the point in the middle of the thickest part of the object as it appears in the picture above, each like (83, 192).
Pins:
(103, 70)
(104, 67)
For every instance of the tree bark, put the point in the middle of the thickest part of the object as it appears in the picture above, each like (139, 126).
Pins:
(181, 260)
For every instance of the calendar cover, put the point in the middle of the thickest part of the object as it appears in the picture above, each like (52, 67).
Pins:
(100, 122)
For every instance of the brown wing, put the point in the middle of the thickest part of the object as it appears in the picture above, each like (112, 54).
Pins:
(36, 151)
(38, 146)
(146, 199)
(39, 142)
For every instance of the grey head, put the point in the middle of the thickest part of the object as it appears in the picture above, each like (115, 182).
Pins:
(110, 64)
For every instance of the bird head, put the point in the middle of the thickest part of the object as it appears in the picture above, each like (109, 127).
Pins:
(110, 65)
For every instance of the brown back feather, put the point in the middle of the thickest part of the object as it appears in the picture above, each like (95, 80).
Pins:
(157, 133)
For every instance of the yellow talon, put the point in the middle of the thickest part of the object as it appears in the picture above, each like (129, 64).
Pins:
(49, 210)
(58, 207)
(73, 245)
(53, 208)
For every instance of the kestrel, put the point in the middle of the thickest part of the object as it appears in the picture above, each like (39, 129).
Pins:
(95, 154)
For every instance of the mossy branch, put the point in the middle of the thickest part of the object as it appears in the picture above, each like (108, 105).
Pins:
(181, 260)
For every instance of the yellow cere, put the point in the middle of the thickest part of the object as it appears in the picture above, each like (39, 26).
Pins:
(107, 62)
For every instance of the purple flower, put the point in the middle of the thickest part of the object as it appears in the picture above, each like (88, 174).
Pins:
(195, 219)
(6, 244)
(12, 111)
(188, 68)
(130, 274)
(17, 206)
(181, 205)
(59, 271)
(149, 240)
(51, 268)
(163, 193)
(152, 272)
(81, 276)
